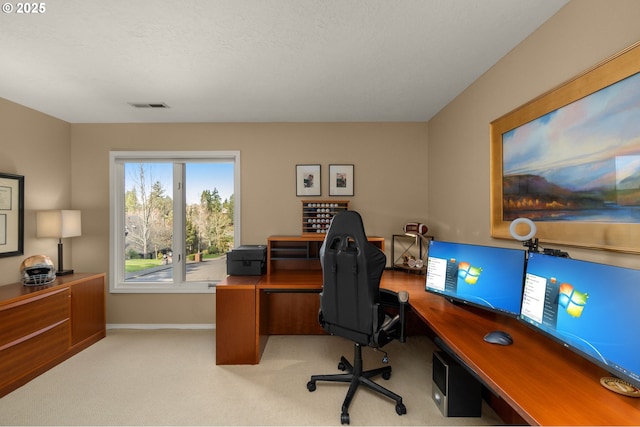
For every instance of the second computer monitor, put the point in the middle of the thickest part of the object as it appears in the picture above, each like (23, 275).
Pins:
(590, 308)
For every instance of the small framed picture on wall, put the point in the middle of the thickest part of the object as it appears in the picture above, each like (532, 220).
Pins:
(308, 180)
(341, 180)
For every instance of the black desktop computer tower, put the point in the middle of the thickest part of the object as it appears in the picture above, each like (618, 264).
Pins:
(455, 391)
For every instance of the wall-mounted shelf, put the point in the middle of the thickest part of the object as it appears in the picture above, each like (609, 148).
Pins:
(317, 215)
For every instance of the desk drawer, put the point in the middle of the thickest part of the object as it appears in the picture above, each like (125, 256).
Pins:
(26, 317)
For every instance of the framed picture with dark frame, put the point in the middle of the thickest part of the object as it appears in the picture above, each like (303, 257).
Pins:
(11, 215)
(341, 180)
(569, 160)
(308, 180)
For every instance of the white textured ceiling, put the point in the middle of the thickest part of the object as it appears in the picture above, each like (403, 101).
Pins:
(84, 61)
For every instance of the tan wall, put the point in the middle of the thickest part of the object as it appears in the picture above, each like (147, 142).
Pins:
(37, 147)
(67, 165)
(389, 189)
(578, 37)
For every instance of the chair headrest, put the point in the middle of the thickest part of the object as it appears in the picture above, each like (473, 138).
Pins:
(348, 223)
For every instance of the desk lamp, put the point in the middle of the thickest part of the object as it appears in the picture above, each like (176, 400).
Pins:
(60, 224)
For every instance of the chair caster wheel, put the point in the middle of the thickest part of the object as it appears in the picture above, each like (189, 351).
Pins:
(401, 409)
(386, 375)
(341, 366)
(344, 418)
(311, 386)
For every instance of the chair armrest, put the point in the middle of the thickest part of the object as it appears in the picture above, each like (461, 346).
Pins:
(403, 298)
(393, 299)
(397, 300)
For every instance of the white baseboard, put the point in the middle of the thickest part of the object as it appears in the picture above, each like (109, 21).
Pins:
(161, 326)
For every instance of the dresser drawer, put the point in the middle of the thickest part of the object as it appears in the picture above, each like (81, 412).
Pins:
(28, 316)
(41, 326)
(25, 357)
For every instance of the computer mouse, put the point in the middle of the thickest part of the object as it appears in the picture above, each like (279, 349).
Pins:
(498, 337)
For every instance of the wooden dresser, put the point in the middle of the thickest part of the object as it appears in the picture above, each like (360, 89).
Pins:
(41, 326)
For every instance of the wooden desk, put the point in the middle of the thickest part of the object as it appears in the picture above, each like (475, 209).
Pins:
(544, 383)
(250, 308)
(236, 337)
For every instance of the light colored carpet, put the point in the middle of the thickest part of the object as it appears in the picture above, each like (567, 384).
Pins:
(169, 377)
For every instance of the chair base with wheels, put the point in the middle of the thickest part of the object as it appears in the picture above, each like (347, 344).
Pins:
(356, 376)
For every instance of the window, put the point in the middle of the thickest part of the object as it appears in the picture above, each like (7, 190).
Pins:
(174, 215)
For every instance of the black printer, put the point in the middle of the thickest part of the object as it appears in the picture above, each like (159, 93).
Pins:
(247, 260)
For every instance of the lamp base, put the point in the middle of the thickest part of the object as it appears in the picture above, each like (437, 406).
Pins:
(64, 272)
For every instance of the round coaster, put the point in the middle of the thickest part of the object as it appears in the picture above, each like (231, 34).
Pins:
(620, 386)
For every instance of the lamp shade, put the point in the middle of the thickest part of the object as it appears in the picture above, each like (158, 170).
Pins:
(58, 223)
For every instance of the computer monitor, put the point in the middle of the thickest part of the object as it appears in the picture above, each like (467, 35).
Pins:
(590, 308)
(484, 276)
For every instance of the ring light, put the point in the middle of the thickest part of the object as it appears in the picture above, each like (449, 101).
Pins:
(522, 238)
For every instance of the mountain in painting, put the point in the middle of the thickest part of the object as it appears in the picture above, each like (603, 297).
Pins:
(534, 193)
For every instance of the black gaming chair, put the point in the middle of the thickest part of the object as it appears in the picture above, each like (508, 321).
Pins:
(352, 305)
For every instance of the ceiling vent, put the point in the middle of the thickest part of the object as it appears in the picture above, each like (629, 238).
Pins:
(148, 105)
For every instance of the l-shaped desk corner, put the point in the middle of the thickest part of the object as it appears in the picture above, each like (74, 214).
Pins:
(545, 383)
(540, 380)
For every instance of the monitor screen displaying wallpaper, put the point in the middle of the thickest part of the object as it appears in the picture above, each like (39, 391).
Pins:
(590, 308)
(485, 276)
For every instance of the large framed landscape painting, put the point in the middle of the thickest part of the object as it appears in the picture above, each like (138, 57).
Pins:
(569, 160)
